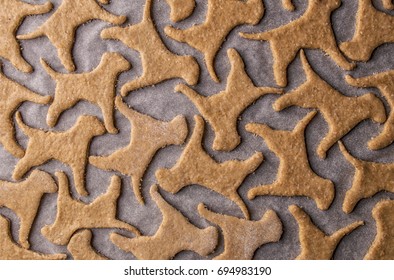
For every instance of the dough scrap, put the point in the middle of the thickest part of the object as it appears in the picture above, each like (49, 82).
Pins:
(222, 110)
(242, 237)
(148, 135)
(373, 28)
(222, 17)
(369, 179)
(174, 235)
(12, 95)
(69, 147)
(313, 30)
(288, 5)
(382, 247)
(73, 214)
(315, 244)
(295, 176)
(181, 9)
(388, 4)
(97, 87)
(342, 113)
(158, 63)
(80, 247)
(60, 28)
(195, 166)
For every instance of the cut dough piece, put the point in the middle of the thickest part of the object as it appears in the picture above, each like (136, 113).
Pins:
(181, 9)
(80, 247)
(315, 244)
(174, 235)
(222, 17)
(388, 4)
(288, 5)
(60, 28)
(222, 110)
(195, 166)
(158, 63)
(342, 113)
(148, 135)
(313, 30)
(242, 237)
(295, 176)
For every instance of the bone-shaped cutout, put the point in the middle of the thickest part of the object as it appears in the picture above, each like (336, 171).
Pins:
(69, 147)
(81, 248)
(181, 9)
(313, 30)
(12, 14)
(315, 244)
(174, 235)
(222, 17)
(73, 215)
(158, 63)
(295, 176)
(222, 110)
(148, 135)
(369, 179)
(9, 250)
(97, 87)
(373, 28)
(385, 83)
(195, 166)
(382, 247)
(243, 237)
(12, 95)
(60, 28)
(342, 113)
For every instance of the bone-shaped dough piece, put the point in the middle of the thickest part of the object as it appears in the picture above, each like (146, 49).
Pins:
(80, 247)
(181, 9)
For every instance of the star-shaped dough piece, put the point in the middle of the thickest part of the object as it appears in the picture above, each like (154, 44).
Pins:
(222, 17)
(73, 215)
(9, 250)
(181, 9)
(97, 87)
(158, 63)
(369, 179)
(195, 166)
(148, 135)
(313, 30)
(295, 176)
(174, 235)
(382, 247)
(12, 95)
(81, 248)
(69, 147)
(373, 28)
(12, 13)
(342, 113)
(315, 244)
(60, 28)
(242, 237)
(222, 110)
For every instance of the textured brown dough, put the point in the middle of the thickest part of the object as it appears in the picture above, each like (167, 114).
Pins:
(148, 135)
(369, 179)
(9, 250)
(315, 244)
(312, 30)
(24, 199)
(80, 247)
(288, 5)
(174, 235)
(181, 9)
(158, 63)
(195, 166)
(385, 83)
(12, 13)
(388, 4)
(295, 176)
(73, 215)
(342, 113)
(383, 246)
(97, 87)
(69, 147)
(12, 95)
(242, 237)
(222, 17)
(373, 28)
(60, 28)
(222, 110)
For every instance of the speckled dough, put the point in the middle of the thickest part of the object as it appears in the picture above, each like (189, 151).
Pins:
(80, 247)
(181, 9)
